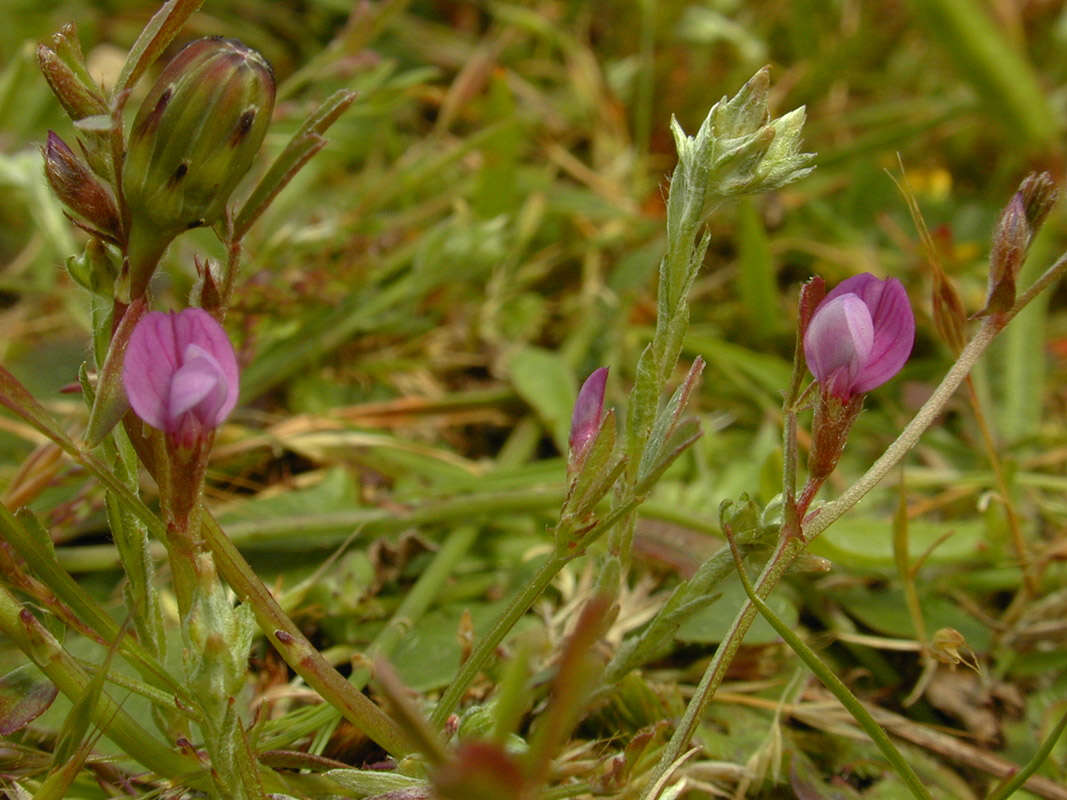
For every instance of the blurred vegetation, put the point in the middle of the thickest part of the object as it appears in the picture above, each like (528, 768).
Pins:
(482, 231)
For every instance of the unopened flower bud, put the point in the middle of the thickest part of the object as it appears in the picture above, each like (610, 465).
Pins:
(193, 139)
(588, 413)
(94, 269)
(1010, 242)
(1039, 195)
(63, 66)
(79, 188)
(196, 133)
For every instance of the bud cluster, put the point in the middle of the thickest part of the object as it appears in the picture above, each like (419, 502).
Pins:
(738, 149)
(193, 139)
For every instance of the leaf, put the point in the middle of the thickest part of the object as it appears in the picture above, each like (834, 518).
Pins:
(110, 403)
(157, 34)
(886, 612)
(709, 625)
(24, 695)
(543, 379)
(866, 543)
(757, 279)
(15, 397)
(306, 142)
(371, 782)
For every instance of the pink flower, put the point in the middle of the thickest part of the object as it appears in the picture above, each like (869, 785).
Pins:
(860, 335)
(180, 373)
(588, 412)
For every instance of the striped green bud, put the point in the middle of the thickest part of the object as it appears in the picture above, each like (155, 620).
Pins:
(193, 139)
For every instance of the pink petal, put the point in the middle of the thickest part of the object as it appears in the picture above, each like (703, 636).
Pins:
(148, 365)
(894, 327)
(838, 342)
(588, 408)
(198, 384)
(180, 364)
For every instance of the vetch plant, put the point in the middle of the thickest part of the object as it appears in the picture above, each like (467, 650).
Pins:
(160, 385)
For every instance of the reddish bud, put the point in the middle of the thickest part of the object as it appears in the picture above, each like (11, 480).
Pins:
(1039, 194)
(79, 188)
(588, 413)
(1011, 238)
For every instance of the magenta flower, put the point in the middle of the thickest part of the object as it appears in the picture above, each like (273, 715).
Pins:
(180, 373)
(859, 336)
(588, 412)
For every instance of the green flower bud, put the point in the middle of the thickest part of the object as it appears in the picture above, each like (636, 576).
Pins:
(63, 66)
(94, 269)
(193, 139)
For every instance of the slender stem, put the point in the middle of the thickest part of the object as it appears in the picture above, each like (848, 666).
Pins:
(323, 719)
(487, 645)
(1030, 587)
(1007, 789)
(85, 606)
(788, 548)
(294, 647)
(831, 681)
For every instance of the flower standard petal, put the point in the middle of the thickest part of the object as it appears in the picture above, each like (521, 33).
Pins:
(893, 322)
(149, 363)
(838, 342)
(894, 333)
(180, 371)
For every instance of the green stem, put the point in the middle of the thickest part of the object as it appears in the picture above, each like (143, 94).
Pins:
(788, 548)
(294, 647)
(82, 603)
(487, 645)
(323, 720)
(1008, 788)
(831, 682)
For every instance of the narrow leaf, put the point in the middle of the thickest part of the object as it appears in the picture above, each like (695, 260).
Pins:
(24, 695)
(306, 142)
(157, 34)
(110, 403)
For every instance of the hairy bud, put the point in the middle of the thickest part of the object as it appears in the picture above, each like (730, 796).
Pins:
(63, 67)
(79, 188)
